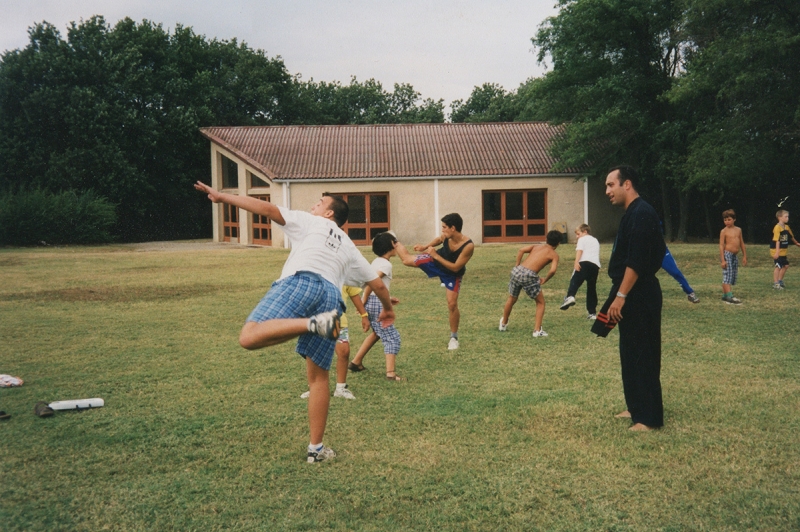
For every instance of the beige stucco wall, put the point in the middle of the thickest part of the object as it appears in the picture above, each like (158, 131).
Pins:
(417, 205)
(415, 214)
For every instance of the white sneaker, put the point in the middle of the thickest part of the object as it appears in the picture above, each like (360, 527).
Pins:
(503, 326)
(453, 345)
(326, 453)
(568, 302)
(305, 395)
(591, 317)
(344, 392)
(540, 333)
(326, 324)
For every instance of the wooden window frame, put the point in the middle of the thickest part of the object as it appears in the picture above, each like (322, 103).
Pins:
(230, 222)
(369, 227)
(261, 224)
(505, 223)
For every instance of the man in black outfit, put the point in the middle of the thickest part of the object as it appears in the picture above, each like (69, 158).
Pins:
(636, 257)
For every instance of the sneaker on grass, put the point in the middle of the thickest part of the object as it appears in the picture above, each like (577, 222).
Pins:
(591, 316)
(568, 302)
(452, 345)
(344, 392)
(503, 326)
(693, 298)
(305, 394)
(326, 453)
(731, 300)
(326, 324)
(539, 334)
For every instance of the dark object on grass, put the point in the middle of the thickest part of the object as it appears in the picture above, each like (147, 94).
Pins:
(356, 367)
(3, 415)
(42, 409)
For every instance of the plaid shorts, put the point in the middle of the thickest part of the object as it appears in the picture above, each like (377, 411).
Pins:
(731, 271)
(388, 335)
(523, 278)
(302, 295)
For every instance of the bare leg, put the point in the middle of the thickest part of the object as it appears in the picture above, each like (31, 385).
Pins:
(782, 272)
(366, 345)
(271, 332)
(452, 308)
(318, 401)
(539, 311)
(510, 302)
(342, 358)
(726, 288)
(405, 257)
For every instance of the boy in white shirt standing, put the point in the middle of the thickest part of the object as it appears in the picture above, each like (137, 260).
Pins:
(587, 265)
(384, 246)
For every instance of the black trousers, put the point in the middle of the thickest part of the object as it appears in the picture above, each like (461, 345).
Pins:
(588, 273)
(640, 352)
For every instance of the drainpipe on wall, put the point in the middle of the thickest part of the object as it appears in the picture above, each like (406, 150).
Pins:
(586, 201)
(287, 202)
(436, 216)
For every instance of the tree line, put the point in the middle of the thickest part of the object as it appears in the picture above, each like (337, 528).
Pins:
(700, 95)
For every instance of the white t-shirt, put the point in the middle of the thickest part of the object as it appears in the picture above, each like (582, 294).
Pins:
(320, 246)
(383, 266)
(591, 249)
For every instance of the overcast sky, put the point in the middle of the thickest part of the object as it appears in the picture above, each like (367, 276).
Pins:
(443, 48)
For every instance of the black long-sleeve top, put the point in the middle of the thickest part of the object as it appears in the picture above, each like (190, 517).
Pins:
(639, 244)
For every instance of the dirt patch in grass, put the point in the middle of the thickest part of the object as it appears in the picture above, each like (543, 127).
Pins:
(116, 294)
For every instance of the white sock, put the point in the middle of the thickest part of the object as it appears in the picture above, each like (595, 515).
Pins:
(312, 448)
(341, 385)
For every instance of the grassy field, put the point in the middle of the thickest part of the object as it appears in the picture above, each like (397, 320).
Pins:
(509, 432)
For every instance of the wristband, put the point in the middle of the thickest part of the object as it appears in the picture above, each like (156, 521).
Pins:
(620, 294)
(365, 315)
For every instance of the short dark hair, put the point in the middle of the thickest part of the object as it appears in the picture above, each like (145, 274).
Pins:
(554, 238)
(340, 208)
(730, 213)
(627, 173)
(383, 243)
(453, 220)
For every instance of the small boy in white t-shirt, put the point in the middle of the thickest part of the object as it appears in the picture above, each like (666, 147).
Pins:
(383, 245)
(587, 265)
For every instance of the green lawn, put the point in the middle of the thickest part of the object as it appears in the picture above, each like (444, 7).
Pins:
(509, 432)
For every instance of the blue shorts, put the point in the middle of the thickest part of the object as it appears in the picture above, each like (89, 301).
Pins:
(781, 262)
(389, 336)
(302, 295)
(433, 269)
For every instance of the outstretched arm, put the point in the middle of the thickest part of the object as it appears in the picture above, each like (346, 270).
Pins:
(247, 203)
(462, 260)
(552, 271)
(432, 244)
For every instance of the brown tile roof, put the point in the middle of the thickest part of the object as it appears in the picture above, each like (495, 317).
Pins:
(392, 150)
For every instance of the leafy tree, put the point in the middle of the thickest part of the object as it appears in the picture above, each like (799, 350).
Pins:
(116, 110)
(487, 103)
(613, 61)
(363, 103)
(741, 84)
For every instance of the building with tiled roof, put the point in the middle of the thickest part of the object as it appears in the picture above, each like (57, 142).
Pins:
(404, 178)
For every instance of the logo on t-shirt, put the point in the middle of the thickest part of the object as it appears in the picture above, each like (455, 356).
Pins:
(333, 241)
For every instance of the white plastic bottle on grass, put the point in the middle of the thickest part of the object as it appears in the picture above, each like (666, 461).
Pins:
(77, 404)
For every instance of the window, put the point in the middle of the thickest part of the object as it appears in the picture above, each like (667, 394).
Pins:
(369, 216)
(230, 222)
(262, 226)
(256, 181)
(230, 173)
(514, 215)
